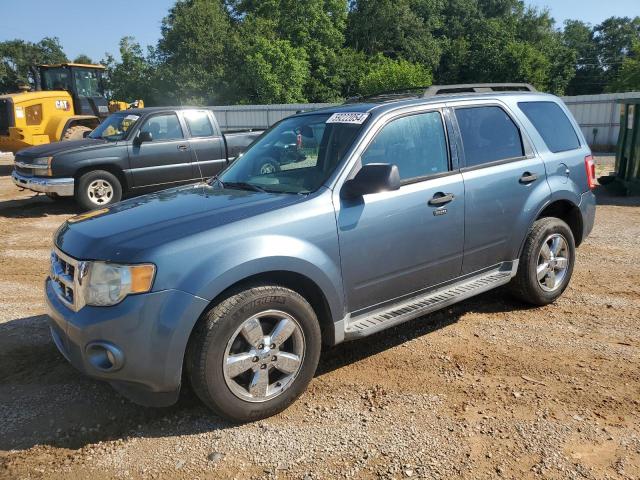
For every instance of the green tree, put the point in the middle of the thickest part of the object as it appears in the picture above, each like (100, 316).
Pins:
(18, 56)
(82, 58)
(589, 75)
(628, 76)
(192, 52)
(273, 71)
(396, 29)
(615, 38)
(317, 26)
(388, 75)
(130, 78)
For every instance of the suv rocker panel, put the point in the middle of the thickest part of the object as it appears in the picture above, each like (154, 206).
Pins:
(435, 299)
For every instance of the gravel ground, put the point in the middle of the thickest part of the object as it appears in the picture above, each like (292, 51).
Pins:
(486, 389)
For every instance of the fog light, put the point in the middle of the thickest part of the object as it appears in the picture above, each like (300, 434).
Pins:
(104, 356)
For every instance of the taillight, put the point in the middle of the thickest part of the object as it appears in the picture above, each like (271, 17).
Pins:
(590, 166)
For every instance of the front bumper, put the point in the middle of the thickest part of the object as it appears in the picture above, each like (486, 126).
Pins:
(60, 186)
(149, 332)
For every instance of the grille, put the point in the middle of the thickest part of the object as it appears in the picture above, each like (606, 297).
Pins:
(27, 172)
(63, 278)
(6, 115)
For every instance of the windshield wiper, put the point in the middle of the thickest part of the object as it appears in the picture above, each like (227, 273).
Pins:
(243, 186)
(214, 179)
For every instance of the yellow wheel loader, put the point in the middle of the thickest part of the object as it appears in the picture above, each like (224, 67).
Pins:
(68, 101)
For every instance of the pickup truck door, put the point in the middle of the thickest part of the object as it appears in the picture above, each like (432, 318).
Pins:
(394, 244)
(164, 160)
(207, 145)
(504, 181)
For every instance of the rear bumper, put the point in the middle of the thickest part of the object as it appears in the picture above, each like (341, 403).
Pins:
(60, 186)
(588, 210)
(146, 335)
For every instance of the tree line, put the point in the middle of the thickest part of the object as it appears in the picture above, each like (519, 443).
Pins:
(288, 51)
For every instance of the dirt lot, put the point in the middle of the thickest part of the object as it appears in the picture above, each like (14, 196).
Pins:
(488, 388)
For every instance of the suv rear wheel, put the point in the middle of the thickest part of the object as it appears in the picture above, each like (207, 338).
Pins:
(253, 354)
(546, 263)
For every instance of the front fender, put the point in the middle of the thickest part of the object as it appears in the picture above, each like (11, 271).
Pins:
(244, 258)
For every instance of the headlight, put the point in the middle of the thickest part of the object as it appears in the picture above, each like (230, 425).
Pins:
(43, 166)
(105, 284)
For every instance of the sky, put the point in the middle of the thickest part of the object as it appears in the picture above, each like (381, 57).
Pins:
(94, 28)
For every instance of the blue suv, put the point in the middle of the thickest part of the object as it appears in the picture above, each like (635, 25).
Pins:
(396, 206)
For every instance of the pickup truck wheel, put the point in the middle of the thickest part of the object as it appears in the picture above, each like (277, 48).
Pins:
(98, 189)
(546, 263)
(253, 354)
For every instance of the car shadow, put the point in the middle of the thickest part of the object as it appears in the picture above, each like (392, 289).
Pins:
(606, 197)
(38, 206)
(495, 301)
(45, 401)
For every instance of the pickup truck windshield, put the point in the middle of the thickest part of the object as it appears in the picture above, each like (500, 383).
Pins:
(115, 127)
(296, 156)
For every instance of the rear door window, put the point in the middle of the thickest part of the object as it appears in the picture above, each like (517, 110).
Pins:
(488, 135)
(199, 123)
(552, 124)
(416, 144)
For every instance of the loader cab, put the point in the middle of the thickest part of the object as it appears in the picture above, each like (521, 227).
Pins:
(83, 82)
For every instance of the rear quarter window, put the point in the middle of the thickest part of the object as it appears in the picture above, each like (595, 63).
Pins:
(552, 124)
(488, 135)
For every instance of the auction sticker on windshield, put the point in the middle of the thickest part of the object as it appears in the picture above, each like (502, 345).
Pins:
(348, 117)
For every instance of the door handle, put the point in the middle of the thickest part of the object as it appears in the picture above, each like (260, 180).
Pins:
(528, 177)
(182, 148)
(441, 199)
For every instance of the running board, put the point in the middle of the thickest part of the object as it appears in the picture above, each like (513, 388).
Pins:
(381, 319)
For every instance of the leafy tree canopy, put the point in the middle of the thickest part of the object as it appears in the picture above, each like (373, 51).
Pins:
(261, 51)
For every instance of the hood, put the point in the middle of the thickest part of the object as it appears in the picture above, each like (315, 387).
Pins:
(51, 149)
(124, 231)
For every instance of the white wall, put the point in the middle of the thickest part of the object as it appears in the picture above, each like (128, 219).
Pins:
(601, 112)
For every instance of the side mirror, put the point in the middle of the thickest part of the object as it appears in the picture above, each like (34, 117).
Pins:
(143, 137)
(372, 178)
(86, 133)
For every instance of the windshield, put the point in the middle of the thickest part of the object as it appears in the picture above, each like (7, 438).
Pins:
(296, 156)
(87, 82)
(115, 127)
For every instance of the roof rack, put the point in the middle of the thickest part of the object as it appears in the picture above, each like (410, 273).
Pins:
(417, 92)
(388, 95)
(478, 88)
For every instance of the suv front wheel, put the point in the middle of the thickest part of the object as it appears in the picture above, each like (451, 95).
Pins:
(253, 354)
(546, 263)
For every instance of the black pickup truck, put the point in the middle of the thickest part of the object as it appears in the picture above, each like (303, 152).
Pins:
(132, 152)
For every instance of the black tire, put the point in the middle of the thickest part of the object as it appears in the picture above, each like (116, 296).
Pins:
(209, 341)
(90, 201)
(525, 285)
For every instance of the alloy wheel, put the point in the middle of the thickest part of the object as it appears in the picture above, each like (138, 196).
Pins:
(553, 262)
(264, 356)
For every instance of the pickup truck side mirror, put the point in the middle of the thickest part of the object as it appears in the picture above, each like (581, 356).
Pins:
(143, 137)
(372, 178)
